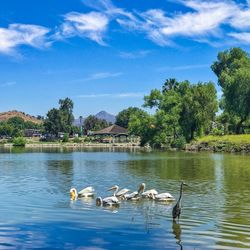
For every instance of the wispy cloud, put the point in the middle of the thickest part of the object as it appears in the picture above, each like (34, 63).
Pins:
(183, 67)
(113, 95)
(22, 34)
(92, 25)
(204, 21)
(99, 76)
(134, 54)
(241, 19)
(7, 84)
(243, 37)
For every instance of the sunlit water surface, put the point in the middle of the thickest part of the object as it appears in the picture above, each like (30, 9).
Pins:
(36, 211)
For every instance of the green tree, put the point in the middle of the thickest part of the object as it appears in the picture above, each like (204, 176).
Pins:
(66, 114)
(170, 84)
(233, 71)
(93, 123)
(142, 125)
(123, 117)
(186, 109)
(6, 129)
(198, 109)
(52, 122)
(60, 120)
(17, 122)
(168, 107)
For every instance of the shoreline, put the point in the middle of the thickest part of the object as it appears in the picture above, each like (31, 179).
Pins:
(203, 145)
(216, 146)
(76, 145)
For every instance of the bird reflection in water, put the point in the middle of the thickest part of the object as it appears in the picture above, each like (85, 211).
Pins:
(176, 227)
(87, 200)
(111, 209)
(82, 203)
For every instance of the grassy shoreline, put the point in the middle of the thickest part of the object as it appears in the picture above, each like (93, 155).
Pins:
(226, 143)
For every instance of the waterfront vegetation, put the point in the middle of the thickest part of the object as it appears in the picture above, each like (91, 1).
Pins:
(184, 112)
(236, 139)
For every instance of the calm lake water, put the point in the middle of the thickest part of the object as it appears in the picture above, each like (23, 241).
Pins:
(36, 211)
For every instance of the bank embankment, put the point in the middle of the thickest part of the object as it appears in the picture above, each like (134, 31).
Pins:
(76, 145)
(226, 143)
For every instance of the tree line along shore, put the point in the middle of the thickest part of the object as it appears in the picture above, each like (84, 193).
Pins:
(186, 115)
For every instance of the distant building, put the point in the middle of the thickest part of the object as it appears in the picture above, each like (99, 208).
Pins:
(32, 133)
(114, 133)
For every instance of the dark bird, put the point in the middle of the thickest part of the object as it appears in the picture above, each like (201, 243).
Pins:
(177, 208)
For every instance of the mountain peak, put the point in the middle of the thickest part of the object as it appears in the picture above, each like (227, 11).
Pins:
(105, 116)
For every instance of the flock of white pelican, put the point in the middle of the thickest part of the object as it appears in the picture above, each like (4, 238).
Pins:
(122, 194)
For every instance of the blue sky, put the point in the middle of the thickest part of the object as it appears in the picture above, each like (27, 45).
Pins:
(106, 55)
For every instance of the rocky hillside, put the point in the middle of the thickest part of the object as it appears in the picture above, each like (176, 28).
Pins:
(4, 116)
(100, 115)
(105, 116)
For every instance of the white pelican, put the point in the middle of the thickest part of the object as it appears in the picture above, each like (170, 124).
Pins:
(86, 192)
(120, 193)
(149, 193)
(162, 197)
(135, 195)
(108, 201)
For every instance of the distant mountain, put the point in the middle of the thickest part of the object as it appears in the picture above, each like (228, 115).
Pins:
(5, 116)
(106, 116)
(100, 115)
(78, 122)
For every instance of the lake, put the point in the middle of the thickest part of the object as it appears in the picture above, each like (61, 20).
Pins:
(36, 211)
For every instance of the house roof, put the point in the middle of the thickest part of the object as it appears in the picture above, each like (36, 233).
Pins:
(112, 130)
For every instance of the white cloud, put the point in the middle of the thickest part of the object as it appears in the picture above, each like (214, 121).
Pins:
(203, 23)
(99, 76)
(243, 37)
(134, 54)
(184, 67)
(113, 95)
(92, 25)
(204, 20)
(22, 34)
(107, 7)
(241, 20)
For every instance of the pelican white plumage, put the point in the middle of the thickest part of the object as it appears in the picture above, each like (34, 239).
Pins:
(162, 197)
(135, 195)
(120, 193)
(86, 192)
(149, 193)
(111, 200)
(108, 201)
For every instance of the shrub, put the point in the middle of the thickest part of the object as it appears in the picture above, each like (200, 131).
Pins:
(19, 141)
(65, 137)
(180, 142)
(87, 139)
(217, 131)
(76, 140)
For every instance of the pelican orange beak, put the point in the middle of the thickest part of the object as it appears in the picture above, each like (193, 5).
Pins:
(112, 188)
(72, 195)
